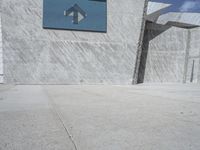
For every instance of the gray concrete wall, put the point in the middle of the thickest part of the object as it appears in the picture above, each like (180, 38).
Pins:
(173, 54)
(33, 55)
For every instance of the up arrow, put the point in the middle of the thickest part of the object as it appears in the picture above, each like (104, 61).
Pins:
(77, 13)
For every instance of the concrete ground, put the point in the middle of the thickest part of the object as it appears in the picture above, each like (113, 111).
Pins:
(141, 117)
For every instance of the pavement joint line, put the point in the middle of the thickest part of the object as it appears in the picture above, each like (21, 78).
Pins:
(59, 116)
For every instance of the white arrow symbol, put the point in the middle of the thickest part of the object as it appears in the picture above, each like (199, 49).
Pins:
(77, 13)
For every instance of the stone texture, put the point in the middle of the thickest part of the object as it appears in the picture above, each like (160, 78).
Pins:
(195, 54)
(166, 55)
(35, 55)
(172, 54)
(170, 47)
(180, 19)
(155, 9)
(1, 52)
(140, 44)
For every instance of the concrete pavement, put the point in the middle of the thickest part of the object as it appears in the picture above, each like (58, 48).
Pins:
(61, 117)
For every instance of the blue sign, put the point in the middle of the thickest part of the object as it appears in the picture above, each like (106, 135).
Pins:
(86, 15)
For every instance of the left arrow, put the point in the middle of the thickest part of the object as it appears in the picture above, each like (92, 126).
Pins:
(77, 13)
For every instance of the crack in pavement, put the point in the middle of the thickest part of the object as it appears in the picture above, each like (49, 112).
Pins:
(56, 112)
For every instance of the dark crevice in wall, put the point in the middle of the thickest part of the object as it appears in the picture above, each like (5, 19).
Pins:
(152, 30)
(140, 43)
(143, 57)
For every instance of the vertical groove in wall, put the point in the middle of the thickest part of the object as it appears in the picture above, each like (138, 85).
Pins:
(188, 42)
(140, 44)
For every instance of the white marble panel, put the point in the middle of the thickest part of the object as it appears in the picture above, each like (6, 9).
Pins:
(195, 51)
(1, 54)
(36, 55)
(192, 70)
(180, 19)
(166, 56)
(155, 6)
(195, 43)
(155, 9)
(29, 26)
(80, 62)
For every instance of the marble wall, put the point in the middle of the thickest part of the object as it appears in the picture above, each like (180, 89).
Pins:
(1, 52)
(194, 55)
(33, 55)
(166, 54)
(173, 54)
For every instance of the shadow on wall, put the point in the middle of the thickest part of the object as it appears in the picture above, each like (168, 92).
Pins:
(152, 30)
(174, 56)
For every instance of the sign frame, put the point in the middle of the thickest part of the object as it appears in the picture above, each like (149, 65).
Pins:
(78, 15)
